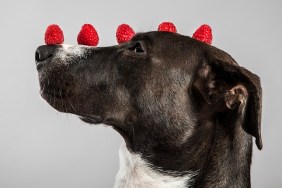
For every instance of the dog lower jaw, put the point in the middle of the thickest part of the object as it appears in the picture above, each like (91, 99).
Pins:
(61, 105)
(137, 172)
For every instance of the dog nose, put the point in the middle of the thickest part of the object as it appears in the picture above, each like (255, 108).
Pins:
(44, 52)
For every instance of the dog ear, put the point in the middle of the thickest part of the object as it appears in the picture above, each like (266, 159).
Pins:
(223, 85)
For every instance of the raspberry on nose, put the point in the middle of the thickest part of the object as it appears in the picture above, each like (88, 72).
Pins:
(54, 35)
(88, 36)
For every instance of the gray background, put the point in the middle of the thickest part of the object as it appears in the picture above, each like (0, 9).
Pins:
(41, 148)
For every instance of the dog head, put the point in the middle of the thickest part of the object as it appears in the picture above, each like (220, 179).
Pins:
(156, 88)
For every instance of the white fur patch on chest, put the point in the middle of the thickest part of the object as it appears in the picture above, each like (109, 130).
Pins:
(135, 172)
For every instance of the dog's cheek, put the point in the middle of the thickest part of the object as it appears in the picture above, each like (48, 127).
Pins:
(121, 107)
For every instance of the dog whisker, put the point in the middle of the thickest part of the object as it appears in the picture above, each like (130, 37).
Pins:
(54, 99)
(132, 132)
(42, 89)
(62, 102)
(71, 105)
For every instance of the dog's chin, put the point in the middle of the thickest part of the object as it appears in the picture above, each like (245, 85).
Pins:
(59, 103)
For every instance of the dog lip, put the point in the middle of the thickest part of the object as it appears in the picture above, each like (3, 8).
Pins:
(93, 119)
(39, 64)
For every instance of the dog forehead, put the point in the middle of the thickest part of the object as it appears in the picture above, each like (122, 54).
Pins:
(160, 36)
(175, 51)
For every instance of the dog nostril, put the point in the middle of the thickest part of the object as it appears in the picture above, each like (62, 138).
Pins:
(37, 56)
(42, 57)
(44, 52)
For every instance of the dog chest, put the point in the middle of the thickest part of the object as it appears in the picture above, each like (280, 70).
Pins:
(136, 172)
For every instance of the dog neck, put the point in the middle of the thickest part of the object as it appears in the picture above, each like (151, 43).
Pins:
(213, 157)
(228, 161)
(137, 172)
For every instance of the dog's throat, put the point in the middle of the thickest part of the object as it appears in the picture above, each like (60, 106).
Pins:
(136, 172)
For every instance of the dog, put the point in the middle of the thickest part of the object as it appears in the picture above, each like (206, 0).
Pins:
(186, 110)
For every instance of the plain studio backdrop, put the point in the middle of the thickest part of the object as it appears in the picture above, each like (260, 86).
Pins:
(42, 148)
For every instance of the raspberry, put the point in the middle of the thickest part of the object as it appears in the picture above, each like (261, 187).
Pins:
(54, 35)
(167, 26)
(204, 34)
(124, 33)
(88, 36)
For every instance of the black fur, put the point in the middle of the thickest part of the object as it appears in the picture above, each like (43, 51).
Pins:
(182, 104)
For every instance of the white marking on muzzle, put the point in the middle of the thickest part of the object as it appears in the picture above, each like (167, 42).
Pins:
(69, 52)
(66, 46)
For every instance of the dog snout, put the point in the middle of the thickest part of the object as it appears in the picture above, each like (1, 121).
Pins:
(44, 53)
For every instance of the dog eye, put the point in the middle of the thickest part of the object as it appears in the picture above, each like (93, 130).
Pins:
(137, 48)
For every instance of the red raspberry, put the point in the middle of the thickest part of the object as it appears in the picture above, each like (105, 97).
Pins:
(124, 33)
(167, 26)
(88, 36)
(204, 34)
(54, 35)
